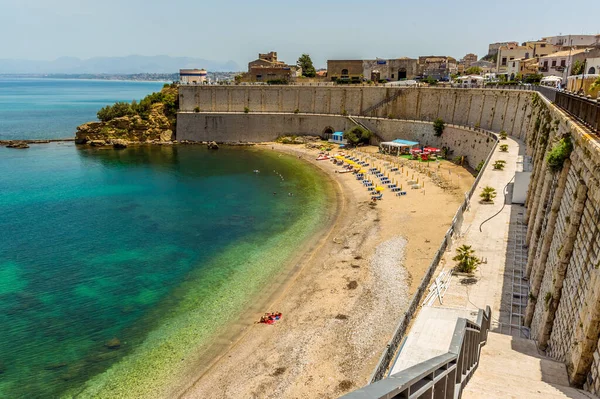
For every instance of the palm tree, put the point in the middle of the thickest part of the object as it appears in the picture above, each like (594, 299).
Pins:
(467, 261)
(488, 194)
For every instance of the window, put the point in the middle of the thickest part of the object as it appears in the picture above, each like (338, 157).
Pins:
(526, 55)
(503, 61)
(563, 63)
(344, 72)
(392, 76)
(546, 64)
(592, 70)
(543, 45)
(514, 64)
(553, 63)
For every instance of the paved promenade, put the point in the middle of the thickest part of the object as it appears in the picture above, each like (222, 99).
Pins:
(498, 282)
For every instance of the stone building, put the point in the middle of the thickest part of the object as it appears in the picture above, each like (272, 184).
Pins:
(437, 67)
(345, 70)
(468, 59)
(523, 66)
(268, 68)
(494, 47)
(374, 70)
(390, 70)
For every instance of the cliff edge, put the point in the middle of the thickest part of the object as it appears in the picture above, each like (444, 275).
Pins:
(152, 120)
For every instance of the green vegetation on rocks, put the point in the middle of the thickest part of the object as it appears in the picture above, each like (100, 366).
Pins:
(153, 119)
(559, 153)
(438, 127)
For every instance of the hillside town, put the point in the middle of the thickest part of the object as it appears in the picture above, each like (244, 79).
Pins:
(567, 62)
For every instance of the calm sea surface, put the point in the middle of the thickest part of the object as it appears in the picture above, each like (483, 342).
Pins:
(53, 108)
(156, 246)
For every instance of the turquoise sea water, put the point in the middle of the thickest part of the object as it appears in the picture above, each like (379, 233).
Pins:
(53, 108)
(160, 247)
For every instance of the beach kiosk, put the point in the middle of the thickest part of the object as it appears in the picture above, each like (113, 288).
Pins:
(338, 138)
(397, 147)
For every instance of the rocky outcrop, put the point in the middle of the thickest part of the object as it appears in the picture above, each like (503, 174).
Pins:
(18, 144)
(114, 343)
(212, 146)
(154, 125)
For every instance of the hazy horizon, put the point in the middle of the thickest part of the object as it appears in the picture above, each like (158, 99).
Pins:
(235, 31)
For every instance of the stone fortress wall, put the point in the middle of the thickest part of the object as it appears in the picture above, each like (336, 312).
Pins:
(563, 207)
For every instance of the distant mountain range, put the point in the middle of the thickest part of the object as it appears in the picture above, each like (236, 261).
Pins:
(114, 65)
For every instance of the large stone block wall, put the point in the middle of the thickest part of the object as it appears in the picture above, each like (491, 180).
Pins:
(255, 127)
(494, 110)
(563, 216)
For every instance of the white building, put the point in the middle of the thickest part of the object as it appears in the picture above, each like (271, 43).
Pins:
(192, 76)
(573, 40)
(559, 63)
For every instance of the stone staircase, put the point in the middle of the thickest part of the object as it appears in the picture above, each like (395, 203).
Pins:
(512, 367)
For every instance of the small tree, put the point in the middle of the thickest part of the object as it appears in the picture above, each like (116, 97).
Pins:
(488, 194)
(596, 84)
(467, 261)
(308, 69)
(504, 147)
(358, 135)
(577, 68)
(474, 70)
(438, 127)
(503, 135)
(499, 164)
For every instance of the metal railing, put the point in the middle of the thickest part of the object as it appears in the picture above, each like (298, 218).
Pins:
(444, 376)
(548, 92)
(585, 110)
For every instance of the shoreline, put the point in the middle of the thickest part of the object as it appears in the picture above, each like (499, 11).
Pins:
(332, 333)
(211, 344)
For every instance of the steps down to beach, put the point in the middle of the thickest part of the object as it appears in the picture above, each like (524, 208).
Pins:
(512, 367)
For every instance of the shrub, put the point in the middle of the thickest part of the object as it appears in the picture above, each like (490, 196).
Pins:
(246, 110)
(559, 153)
(467, 261)
(488, 194)
(438, 127)
(390, 116)
(344, 112)
(503, 135)
(504, 147)
(499, 164)
(296, 111)
(479, 167)
(458, 160)
(197, 109)
(358, 135)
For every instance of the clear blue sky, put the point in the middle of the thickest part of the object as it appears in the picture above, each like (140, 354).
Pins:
(237, 30)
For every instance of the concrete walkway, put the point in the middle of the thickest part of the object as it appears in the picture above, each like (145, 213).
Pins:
(510, 365)
(512, 368)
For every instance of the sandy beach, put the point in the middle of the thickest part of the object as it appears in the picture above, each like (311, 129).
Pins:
(344, 302)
